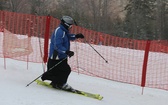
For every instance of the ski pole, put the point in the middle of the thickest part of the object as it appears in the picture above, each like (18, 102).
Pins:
(46, 71)
(96, 51)
(91, 45)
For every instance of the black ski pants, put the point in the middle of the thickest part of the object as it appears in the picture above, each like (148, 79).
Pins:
(59, 74)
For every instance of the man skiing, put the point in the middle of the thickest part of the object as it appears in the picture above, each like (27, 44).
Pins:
(59, 51)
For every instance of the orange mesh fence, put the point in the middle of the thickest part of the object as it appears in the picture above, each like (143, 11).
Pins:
(15, 49)
(124, 64)
(21, 26)
(157, 72)
(26, 37)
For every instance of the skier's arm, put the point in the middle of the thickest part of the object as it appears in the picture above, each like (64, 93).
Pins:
(73, 36)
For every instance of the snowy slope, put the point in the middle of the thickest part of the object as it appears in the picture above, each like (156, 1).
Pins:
(15, 77)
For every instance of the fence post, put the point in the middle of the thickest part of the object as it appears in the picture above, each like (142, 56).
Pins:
(46, 38)
(3, 30)
(144, 69)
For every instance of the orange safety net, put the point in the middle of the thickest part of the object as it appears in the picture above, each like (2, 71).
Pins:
(11, 47)
(99, 54)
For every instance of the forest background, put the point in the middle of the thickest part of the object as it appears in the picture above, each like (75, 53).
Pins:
(136, 19)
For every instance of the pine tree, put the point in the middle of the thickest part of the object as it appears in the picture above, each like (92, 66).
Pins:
(139, 18)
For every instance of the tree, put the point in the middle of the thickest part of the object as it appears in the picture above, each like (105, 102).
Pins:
(161, 19)
(16, 5)
(73, 8)
(139, 18)
(1, 5)
(106, 15)
(40, 7)
(99, 13)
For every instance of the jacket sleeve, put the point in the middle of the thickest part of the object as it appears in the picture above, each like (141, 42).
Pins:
(71, 36)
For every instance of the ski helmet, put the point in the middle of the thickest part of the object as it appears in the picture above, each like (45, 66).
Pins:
(67, 21)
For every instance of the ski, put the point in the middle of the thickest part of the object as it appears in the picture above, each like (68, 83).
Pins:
(75, 91)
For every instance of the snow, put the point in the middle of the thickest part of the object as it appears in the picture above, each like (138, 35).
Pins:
(16, 76)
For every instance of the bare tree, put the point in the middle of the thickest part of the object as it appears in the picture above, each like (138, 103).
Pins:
(103, 14)
(73, 8)
(40, 7)
(17, 5)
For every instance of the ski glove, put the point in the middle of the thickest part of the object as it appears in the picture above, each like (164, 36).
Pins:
(79, 35)
(70, 53)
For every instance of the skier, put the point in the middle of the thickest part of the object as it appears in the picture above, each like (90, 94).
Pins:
(60, 50)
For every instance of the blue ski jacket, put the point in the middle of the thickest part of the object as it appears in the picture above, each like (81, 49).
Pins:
(60, 43)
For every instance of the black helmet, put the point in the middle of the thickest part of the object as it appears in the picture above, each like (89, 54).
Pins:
(67, 21)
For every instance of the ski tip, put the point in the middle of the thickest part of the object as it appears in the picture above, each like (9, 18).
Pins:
(97, 95)
(100, 97)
